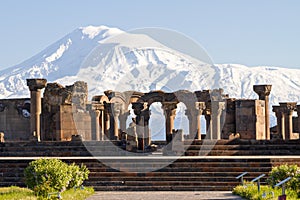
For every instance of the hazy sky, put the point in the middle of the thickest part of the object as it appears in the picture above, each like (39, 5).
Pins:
(253, 32)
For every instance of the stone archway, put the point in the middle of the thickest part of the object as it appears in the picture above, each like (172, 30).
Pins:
(169, 105)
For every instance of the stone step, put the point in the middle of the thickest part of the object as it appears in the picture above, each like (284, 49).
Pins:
(186, 173)
(167, 178)
(239, 152)
(244, 147)
(182, 166)
(164, 188)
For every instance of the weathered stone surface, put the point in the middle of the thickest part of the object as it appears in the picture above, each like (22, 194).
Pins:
(250, 119)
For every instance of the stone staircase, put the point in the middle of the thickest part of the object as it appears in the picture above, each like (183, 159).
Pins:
(242, 147)
(112, 148)
(189, 174)
(117, 170)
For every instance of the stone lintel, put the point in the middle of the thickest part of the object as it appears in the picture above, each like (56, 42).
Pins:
(36, 84)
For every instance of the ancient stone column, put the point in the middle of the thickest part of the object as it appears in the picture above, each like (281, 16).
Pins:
(106, 118)
(123, 118)
(35, 86)
(147, 135)
(170, 113)
(193, 115)
(208, 119)
(95, 115)
(200, 106)
(288, 110)
(263, 92)
(108, 121)
(280, 121)
(140, 130)
(95, 112)
(102, 122)
(116, 108)
(217, 108)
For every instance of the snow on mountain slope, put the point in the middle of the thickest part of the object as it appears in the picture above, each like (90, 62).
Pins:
(63, 58)
(138, 62)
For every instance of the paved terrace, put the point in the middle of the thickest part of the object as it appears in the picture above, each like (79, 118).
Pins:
(176, 195)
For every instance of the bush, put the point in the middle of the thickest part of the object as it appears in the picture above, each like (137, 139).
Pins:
(44, 176)
(79, 174)
(282, 172)
(249, 191)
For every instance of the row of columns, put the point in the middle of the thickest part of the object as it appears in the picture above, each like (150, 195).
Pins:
(284, 114)
(107, 117)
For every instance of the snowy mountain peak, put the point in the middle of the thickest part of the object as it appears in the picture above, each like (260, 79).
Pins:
(93, 31)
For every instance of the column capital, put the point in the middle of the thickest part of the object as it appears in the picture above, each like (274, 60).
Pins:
(200, 106)
(95, 113)
(277, 109)
(138, 107)
(262, 90)
(113, 108)
(95, 106)
(218, 107)
(288, 107)
(116, 108)
(169, 108)
(36, 84)
(146, 115)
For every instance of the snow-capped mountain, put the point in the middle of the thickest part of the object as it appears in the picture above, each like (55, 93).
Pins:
(110, 59)
(63, 58)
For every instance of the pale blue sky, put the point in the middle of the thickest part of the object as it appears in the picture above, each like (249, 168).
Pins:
(256, 32)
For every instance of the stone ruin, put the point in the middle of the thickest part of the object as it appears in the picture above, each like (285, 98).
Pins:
(64, 114)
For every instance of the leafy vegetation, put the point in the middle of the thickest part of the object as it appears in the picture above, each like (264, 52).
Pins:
(277, 174)
(46, 176)
(282, 172)
(249, 191)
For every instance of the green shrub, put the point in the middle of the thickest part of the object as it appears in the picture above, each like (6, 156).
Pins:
(44, 176)
(249, 191)
(282, 172)
(79, 174)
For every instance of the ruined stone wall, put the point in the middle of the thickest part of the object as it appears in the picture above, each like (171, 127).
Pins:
(15, 119)
(230, 124)
(250, 119)
(64, 111)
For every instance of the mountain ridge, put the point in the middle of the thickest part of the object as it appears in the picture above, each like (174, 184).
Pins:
(63, 61)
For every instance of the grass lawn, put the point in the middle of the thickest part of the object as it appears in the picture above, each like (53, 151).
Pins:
(17, 193)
